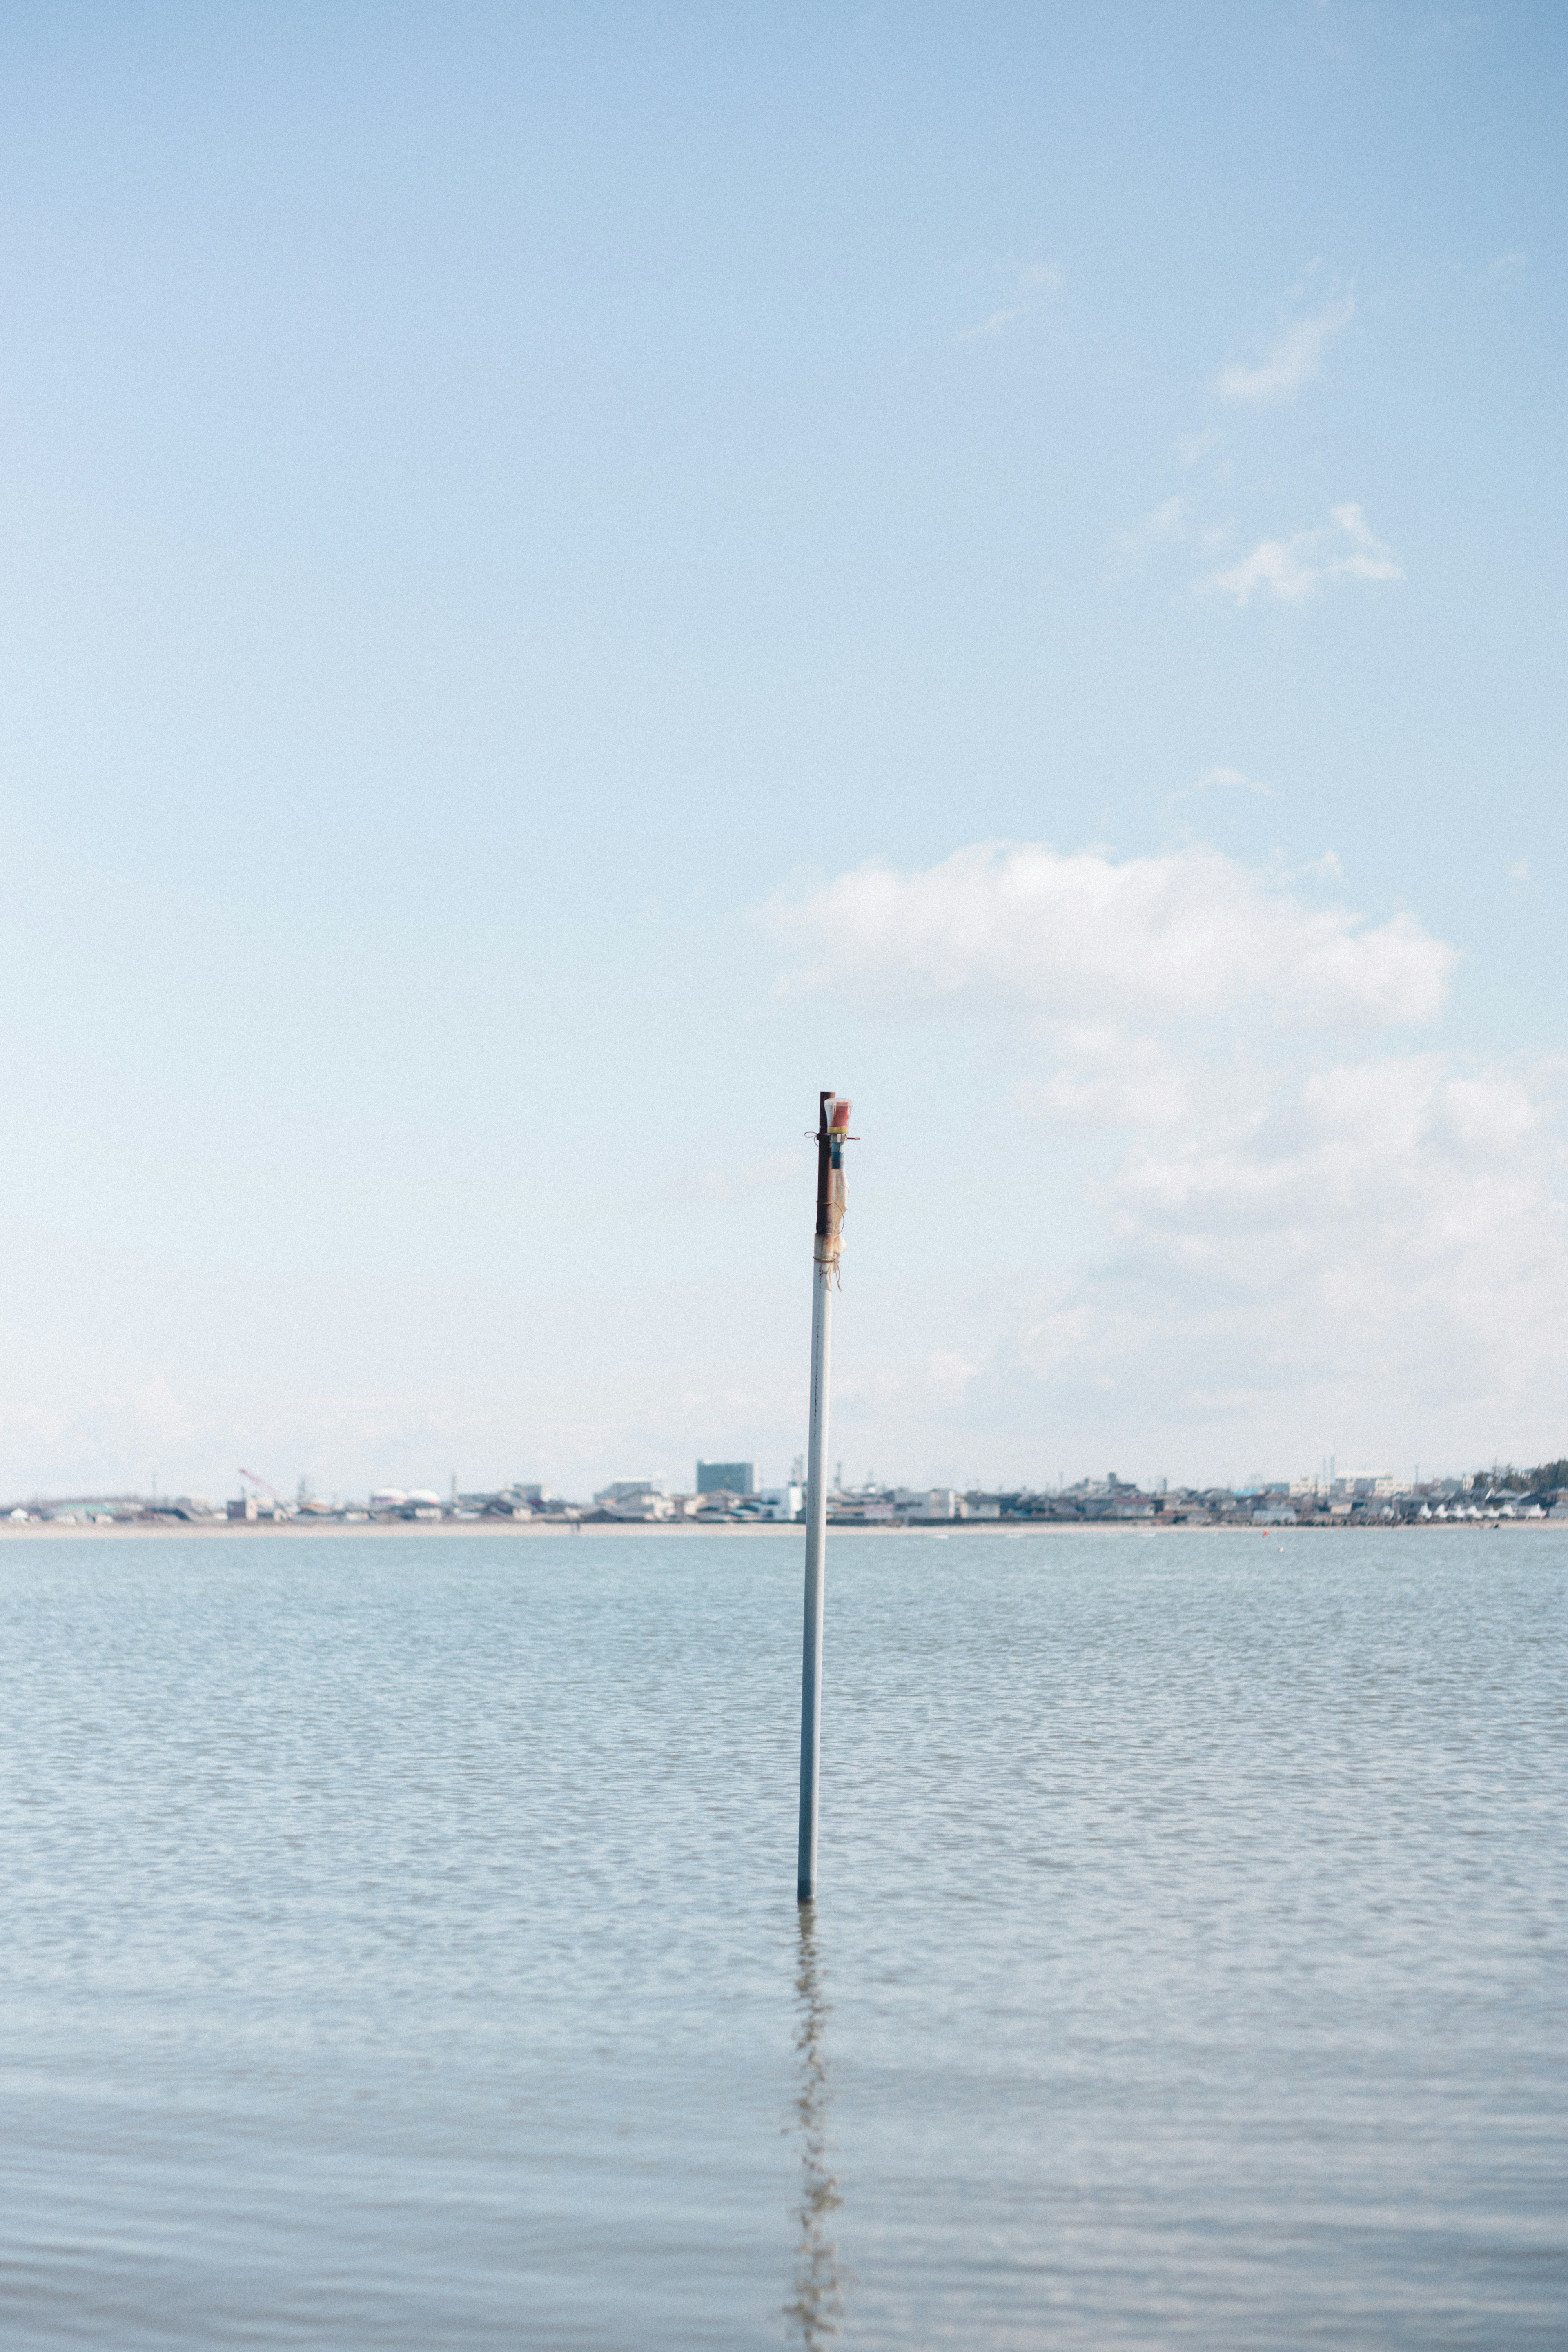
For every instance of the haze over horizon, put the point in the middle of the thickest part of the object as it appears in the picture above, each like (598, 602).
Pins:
(574, 578)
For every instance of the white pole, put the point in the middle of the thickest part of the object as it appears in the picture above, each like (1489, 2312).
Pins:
(833, 1120)
(815, 1571)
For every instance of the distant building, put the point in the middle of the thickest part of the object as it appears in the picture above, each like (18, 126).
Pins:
(726, 1477)
(935, 1503)
(781, 1502)
(634, 1498)
(1360, 1490)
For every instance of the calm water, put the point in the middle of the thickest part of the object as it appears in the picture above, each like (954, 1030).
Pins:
(400, 1949)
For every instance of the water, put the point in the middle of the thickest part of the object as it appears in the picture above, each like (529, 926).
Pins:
(399, 1945)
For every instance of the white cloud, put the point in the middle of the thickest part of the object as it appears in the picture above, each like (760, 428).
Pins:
(1359, 1243)
(1302, 1248)
(1191, 446)
(1291, 360)
(1365, 1254)
(1033, 285)
(1509, 265)
(1294, 568)
(1086, 936)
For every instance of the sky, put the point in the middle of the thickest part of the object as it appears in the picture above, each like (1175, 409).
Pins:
(574, 575)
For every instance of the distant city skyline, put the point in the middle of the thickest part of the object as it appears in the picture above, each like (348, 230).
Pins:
(647, 1493)
(1534, 1497)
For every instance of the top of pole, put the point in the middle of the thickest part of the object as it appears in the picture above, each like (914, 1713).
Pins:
(827, 1104)
(832, 1135)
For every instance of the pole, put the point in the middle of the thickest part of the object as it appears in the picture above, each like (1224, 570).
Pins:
(833, 1120)
(815, 1577)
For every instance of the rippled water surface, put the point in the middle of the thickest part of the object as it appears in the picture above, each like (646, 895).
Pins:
(399, 1945)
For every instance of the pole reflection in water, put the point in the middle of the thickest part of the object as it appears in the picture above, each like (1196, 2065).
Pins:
(818, 2303)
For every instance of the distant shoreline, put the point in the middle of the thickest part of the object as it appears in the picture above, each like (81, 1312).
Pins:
(291, 1530)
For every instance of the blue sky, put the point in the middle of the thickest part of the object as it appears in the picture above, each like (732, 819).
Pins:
(574, 575)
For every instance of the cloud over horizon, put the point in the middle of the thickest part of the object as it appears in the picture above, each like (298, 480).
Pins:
(1305, 1243)
(1329, 1255)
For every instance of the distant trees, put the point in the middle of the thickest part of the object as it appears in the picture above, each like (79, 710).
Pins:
(1544, 1477)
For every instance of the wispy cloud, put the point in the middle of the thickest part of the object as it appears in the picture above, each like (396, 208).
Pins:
(1508, 265)
(1294, 568)
(993, 325)
(1292, 359)
(1034, 285)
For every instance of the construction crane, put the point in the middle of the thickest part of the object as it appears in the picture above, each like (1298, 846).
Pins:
(278, 1502)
